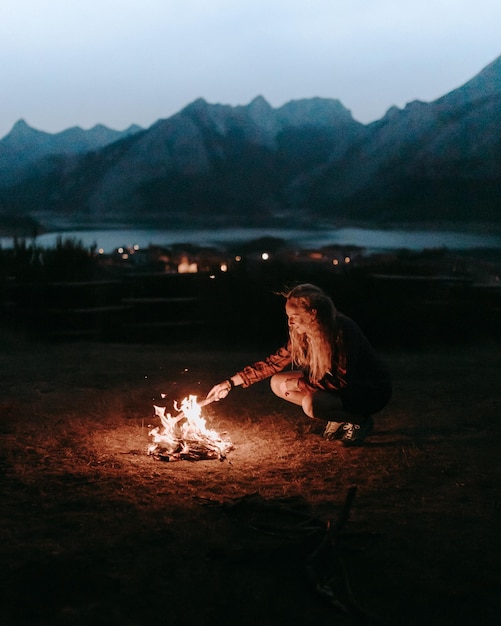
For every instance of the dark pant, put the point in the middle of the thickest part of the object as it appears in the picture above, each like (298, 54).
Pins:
(354, 405)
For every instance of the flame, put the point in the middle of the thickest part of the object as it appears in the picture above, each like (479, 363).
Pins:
(186, 436)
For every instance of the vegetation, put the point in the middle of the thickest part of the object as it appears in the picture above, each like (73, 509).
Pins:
(69, 259)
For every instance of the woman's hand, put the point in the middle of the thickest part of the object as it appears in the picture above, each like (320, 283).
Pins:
(219, 391)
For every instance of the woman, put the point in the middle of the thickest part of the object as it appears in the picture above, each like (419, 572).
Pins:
(339, 377)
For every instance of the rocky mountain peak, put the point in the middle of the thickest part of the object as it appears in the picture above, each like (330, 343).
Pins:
(250, 163)
(315, 112)
(20, 132)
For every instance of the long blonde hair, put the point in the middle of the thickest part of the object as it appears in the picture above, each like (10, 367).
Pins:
(312, 350)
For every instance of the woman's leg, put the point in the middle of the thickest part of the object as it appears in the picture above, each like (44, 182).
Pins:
(284, 385)
(350, 428)
(327, 405)
(323, 405)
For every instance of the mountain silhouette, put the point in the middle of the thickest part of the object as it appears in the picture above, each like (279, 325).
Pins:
(255, 165)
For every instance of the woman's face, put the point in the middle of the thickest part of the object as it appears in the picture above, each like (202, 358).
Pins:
(299, 319)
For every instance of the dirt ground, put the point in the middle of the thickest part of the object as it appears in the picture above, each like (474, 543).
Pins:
(95, 531)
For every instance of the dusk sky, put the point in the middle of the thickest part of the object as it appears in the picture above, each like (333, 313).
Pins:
(117, 62)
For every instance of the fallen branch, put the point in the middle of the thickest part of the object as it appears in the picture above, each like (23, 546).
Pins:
(327, 572)
(325, 566)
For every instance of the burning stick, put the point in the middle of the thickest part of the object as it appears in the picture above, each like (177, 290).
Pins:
(186, 436)
(181, 410)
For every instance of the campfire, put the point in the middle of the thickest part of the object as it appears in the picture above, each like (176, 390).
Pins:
(185, 436)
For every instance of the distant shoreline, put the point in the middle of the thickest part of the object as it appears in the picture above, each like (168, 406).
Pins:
(371, 240)
(62, 227)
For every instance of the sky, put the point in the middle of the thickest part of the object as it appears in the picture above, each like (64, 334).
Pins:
(67, 63)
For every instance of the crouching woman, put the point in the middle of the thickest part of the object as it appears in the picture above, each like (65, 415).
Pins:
(336, 374)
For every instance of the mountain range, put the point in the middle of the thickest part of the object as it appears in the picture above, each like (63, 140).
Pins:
(307, 162)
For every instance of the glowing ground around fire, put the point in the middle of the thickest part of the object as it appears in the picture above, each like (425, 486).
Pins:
(95, 531)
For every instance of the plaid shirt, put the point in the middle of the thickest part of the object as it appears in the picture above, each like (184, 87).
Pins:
(264, 369)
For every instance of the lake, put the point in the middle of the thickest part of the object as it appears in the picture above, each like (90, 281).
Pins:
(372, 240)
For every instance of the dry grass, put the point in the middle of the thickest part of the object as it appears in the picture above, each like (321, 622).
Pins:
(93, 531)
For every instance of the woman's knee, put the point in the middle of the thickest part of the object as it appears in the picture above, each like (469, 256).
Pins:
(275, 382)
(307, 404)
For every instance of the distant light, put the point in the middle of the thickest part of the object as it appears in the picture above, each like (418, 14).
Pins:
(120, 250)
(224, 267)
(265, 256)
(335, 262)
(347, 259)
(238, 258)
(101, 251)
(212, 276)
(125, 256)
(136, 247)
(185, 267)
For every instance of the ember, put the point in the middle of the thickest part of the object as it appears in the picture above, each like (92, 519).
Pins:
(186, 436)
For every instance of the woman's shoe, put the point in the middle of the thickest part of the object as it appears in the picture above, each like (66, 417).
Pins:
(333, 430)
(354, 434)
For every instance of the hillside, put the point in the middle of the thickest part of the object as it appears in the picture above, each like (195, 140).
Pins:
(254, 165)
